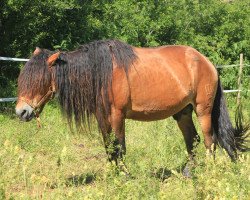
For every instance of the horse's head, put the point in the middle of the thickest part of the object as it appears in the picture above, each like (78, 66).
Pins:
(36, 84)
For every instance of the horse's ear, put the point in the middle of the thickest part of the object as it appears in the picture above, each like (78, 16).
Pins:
(52, 59)
(37, 51)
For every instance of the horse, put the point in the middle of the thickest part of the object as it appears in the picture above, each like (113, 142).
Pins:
(113, 81)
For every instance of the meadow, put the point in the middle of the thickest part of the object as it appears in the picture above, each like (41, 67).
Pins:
(55, 163)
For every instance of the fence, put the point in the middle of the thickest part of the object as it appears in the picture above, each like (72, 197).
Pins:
(11, 99)
(219, 66)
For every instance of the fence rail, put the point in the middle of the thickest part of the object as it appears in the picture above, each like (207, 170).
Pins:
(13, 99)
(230, 66)
(14, 59)
(24, 59)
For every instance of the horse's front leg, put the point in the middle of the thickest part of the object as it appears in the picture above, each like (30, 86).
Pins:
(114, 143)
(117, 146)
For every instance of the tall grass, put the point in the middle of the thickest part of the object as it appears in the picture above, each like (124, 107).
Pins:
(54, 163)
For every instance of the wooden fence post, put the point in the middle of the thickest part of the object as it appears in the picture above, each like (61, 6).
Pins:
(239, 79)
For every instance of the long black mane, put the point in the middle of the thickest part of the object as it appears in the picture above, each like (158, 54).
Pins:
(84, 76)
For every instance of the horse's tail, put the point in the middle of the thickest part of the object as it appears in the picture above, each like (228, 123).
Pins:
(232, 139)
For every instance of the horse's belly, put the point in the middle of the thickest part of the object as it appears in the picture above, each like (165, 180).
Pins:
(156, 111)
(156, 103)
(146, 116)
(149, 115)
(159, 101)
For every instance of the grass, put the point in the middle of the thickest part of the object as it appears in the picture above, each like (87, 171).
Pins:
(53, 163)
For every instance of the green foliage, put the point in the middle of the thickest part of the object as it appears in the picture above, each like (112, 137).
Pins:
(218, 29)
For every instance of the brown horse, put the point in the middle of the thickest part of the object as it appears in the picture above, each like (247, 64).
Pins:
(114, 81)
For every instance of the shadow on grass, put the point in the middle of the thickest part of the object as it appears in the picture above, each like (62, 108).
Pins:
(163, 173)
(76, 180)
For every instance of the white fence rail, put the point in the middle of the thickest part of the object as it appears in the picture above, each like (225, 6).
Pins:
(13, 99)
(14, 59)
(230, 66)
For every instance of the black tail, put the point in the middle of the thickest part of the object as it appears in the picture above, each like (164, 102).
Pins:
(230, 138)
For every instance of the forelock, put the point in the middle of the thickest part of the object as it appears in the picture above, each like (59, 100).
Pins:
(34, 75)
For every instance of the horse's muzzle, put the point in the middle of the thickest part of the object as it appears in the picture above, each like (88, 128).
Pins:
(25, 112)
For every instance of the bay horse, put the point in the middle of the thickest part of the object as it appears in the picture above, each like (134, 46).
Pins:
(114, 81)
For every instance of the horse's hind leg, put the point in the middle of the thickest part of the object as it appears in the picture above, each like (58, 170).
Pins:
(186, 125)
(204, 116)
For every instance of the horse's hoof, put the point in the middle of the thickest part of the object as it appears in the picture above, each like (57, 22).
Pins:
(124, 171)
(186, 172)
(125, 174)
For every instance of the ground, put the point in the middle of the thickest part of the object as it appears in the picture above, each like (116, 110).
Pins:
(55, 163)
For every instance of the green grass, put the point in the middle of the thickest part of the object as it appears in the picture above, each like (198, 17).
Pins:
(53, 163)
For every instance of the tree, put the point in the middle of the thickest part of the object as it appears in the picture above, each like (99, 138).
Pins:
(218, 29)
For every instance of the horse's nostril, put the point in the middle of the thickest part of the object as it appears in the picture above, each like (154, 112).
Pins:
(23, 113)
